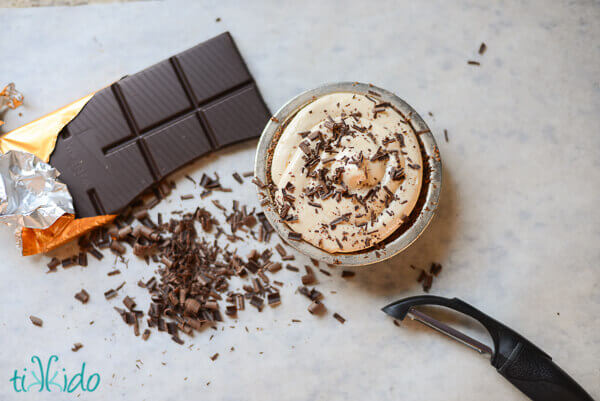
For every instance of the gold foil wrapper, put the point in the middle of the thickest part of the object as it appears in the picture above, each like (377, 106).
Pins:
(39, 138)
(65, 229)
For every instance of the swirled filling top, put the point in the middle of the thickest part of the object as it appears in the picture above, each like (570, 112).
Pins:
(347, 170)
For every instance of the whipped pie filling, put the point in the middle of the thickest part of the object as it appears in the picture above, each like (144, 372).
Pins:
(347, 171)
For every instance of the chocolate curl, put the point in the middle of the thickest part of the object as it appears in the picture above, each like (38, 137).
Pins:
(65, 229)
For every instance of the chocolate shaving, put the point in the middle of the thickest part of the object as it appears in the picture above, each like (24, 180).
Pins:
(96, 253)
(53, 264)
(435, 269)
(316, 308)
(129, 303)
(36, 321)
(82, 296)
(343, 218)
(274, 299)
(238, 178)
(482, 48)
(258, 183)
(339, 318)
(294, 236)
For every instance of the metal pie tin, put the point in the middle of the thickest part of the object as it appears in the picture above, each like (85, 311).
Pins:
(423, 211)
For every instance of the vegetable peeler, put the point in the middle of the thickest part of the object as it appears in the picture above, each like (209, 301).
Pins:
(522, 363)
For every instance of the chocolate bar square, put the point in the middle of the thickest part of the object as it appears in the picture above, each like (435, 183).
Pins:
(137, 131)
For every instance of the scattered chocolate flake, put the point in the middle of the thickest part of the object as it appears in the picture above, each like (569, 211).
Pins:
(482, 48)
(248, 174)
(339, 318)
(256, 181)
(191, 179)
(446, 135)
(273, 267)
(146, 334)
(36, 321)
(53, 264)
(76, 347)
(305, 147)
(292, 268)
(187, 197)
(129, 303)
(113, 272)
(348, 274)
(343, 218)
(117, 247)
(427, 282)
(274, 299)
(257, 302)
(435, 269)
(82, 259)
(472, 62)
(68, 262)
(218, 205)
(82, 296)
(294, 236)
(214, 357)
(238, 178)
(96, 253)
(309, 277)
(317, 308)
(210, 183)
(281, 250)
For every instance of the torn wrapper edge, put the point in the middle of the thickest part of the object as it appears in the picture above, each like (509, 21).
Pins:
(65, 229)
(39, 138)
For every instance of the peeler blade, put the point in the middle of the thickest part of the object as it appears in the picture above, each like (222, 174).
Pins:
(400, 310)
(449, 331)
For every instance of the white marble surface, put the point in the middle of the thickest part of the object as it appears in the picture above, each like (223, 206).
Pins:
(517, 229)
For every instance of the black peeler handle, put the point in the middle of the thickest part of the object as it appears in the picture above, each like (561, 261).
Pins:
(538, 377)
(523, 364)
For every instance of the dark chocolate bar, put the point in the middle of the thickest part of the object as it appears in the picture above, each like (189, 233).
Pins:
(132, 134)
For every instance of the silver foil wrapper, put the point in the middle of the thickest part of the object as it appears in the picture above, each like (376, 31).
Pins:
(30, 193)
(10, 97)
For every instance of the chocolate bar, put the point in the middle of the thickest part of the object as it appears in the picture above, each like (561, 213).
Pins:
(137, 131)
